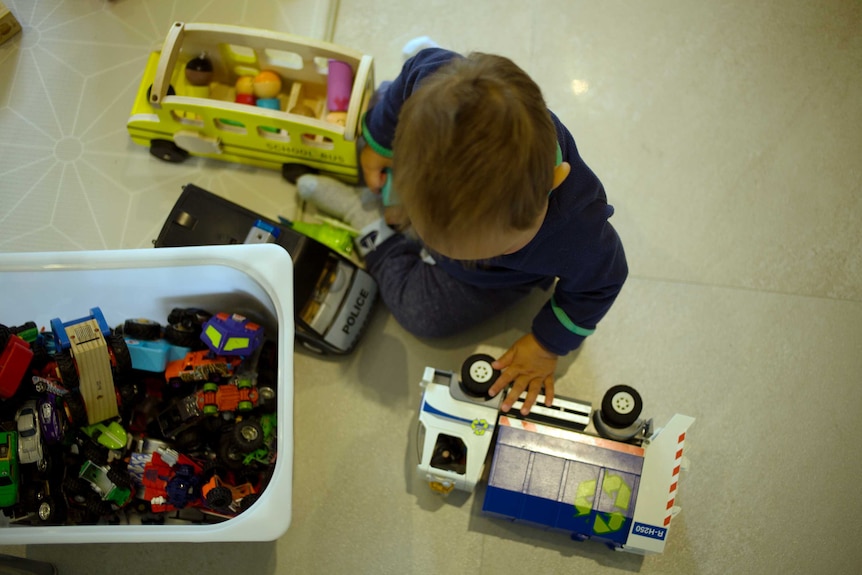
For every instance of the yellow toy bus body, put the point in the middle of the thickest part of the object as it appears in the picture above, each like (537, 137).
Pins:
(176, 118)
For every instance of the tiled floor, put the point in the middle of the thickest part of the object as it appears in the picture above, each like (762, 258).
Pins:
(728, 138)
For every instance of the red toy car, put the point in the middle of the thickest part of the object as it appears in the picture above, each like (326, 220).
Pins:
(14, 361)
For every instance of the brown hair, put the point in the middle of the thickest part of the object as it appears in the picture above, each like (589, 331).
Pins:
(474, 150)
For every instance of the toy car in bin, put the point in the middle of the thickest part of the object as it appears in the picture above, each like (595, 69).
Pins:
(255, 97)
(84, 494)
(232, 334)
(333, 297)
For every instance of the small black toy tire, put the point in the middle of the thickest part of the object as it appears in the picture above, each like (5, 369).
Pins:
(171, 91)
(188, 439)
(129, 394)
(95, 453)
(75, 487)
(68, 370)
(142, 328)
(41, 357)
(97, 509)
(5, 332)
(219, 498)
(76, 411)
(47, 512)
(167, 151)
(292, 172)
(230, 455)
(477, 375)
(183, 337)
(121, 353)
(248, 501)
(119, 478)
(621, 406)
(248, 435)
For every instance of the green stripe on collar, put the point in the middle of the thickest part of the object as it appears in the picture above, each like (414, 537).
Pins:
(567, 322)
(385, 152)
(559, 159)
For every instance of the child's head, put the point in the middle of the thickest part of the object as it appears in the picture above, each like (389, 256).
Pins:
(474, 159)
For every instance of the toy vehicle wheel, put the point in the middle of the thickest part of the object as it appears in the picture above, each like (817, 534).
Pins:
(477, 375)
(76, 412)
(292, 172)
(219, 498)
(47, 512)
(621, 406)
(230, 454)
(97, 508)
(167, 151)
(141, 328)
(129, 393)
(68, 370)
(210, 409)
(182, 337)
(95, 453)
(75, 487)
(119, 478)
(189, 439)
(245, 406)
(248, 501)
(210, 387)
(41, 357)
(121, 354)
(189, 318)
(248, 435)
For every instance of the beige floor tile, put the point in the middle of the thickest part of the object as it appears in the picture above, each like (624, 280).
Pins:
(725, 136)
(727, 139)
(70, 177)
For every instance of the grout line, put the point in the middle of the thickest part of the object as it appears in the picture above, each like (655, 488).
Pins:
(741, 288)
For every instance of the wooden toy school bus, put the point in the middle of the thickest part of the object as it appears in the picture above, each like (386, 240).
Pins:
(308, 121)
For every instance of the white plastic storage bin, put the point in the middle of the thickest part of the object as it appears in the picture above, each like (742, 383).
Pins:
(252, 279)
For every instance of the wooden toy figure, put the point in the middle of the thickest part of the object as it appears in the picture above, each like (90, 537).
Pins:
(245, 90)
(266, 87)
(199, 74)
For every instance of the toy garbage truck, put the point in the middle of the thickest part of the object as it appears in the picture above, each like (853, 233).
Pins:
(254, 97)
(604, 475)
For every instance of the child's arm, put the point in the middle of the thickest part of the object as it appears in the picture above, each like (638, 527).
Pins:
(580, 300)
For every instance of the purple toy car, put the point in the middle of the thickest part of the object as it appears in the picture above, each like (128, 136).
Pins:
(231, 334)
(52, 420)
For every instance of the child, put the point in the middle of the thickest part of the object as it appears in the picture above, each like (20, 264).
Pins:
(493, 186)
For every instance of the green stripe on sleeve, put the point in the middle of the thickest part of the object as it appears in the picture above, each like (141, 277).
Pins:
(567, 322)
(386, 153)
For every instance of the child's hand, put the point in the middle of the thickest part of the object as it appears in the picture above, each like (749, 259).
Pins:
(527, 366)
(373, 165)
